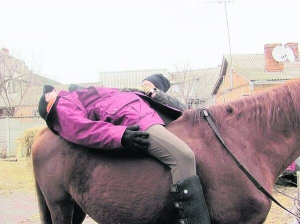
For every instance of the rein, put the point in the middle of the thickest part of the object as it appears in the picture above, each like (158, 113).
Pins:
(246, 172)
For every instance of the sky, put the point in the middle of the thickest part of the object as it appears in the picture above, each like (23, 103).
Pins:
(72, 41)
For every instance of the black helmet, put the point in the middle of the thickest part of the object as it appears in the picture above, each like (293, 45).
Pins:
(160, 82)
(43, 108)
(43, 103)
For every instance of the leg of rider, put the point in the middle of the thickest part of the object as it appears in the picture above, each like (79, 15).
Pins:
(186, 187)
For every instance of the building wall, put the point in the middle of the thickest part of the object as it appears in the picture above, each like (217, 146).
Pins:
(22, 111)
(241, 88)
(123, 79)
(263, 87)
(18, 79)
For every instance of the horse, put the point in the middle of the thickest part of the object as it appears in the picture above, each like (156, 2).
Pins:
(128, 187)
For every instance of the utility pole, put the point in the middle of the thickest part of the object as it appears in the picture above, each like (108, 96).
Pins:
(229, 42)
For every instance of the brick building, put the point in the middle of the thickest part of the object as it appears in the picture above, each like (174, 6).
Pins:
(246, 74)
(16, 81)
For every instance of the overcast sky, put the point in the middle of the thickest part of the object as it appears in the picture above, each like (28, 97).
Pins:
(72, 42)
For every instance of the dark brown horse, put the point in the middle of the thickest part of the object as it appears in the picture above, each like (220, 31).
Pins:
(132, 188)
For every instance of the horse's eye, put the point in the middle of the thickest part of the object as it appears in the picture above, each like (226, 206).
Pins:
(229, 109)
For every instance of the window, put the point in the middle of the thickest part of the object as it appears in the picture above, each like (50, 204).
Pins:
(35, 112)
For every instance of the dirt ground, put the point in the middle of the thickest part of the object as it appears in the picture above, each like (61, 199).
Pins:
(18, 202)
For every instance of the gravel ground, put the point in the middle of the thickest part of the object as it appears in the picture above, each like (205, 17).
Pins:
(18, 202)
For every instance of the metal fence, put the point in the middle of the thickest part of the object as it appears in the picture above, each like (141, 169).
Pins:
(12, 128)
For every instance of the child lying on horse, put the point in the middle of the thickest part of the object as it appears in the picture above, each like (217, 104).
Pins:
(107, 118)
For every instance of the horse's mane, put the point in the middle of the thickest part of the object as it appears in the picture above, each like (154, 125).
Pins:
(281, 103)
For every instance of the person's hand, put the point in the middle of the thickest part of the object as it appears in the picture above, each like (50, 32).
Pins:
(135, 139)
(130, 89)
(146, 89)
(143, 89)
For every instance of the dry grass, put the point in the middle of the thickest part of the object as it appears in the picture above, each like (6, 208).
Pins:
(18, 176)
(277, 215)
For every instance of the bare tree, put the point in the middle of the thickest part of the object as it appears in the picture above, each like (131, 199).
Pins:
(190, 86)
(15, 78)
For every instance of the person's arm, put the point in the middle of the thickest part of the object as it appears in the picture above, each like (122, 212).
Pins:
(158, 95)
(166, 99)
(73, 125)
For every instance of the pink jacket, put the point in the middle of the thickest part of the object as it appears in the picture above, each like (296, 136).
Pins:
(97, 117)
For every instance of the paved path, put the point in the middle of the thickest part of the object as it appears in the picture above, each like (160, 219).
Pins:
(18, 200)
(18, 207)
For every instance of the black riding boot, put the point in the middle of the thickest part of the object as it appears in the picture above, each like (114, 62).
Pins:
(190, 201)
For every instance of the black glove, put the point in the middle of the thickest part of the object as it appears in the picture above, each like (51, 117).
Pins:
(134, 139)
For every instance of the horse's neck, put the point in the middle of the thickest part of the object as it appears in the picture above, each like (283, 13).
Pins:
(283, 151)
(270, 150)
(278, 147)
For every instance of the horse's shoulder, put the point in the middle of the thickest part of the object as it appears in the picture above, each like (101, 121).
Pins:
(42, 131)
(40, 134)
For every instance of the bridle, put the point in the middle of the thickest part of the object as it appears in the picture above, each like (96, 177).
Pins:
(246, 172)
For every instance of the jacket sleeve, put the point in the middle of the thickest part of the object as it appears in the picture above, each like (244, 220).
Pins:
(73, 125)
(166, 99)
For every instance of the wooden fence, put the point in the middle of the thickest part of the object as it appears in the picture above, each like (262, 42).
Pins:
(12, 128)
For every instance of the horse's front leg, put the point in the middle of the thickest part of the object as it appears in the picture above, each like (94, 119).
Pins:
(78, 214)
(61, 211)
